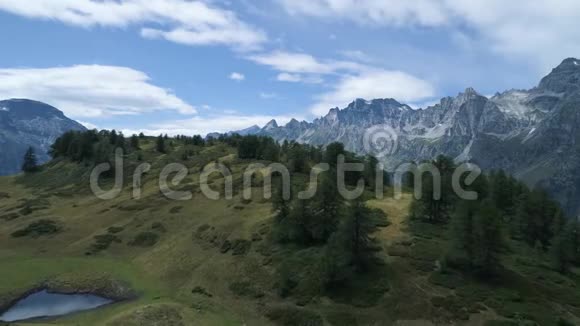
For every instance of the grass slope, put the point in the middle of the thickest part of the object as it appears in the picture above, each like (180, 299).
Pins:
(172, 254)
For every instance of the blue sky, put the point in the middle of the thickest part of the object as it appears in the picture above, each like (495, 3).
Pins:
(181, 66)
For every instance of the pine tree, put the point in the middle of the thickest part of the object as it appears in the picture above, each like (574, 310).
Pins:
(120, 143)
(330, 204)
(333, 150)
(113, 137)
(281, 206)
(357, 228)
(135, 142)
(487, 239)
(534, 219)
(160, 145)
(298, 160)
(477, 238)
(436, 209)
(30, 163)
(565, 247)
(299, 220)
(461, 249)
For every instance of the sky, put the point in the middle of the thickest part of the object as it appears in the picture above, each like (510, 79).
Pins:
(194, 67)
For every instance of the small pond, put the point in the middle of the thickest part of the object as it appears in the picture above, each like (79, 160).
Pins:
(44, 304)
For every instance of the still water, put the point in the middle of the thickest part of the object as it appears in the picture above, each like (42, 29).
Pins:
(45, 304)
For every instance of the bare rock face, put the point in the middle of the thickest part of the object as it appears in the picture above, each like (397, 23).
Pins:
(25, 123)
(533, 134)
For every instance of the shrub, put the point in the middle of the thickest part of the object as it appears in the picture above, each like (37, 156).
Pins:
(293, 316)
(9, 216)
(39, 228)
(159, 227)
(103, 242)
(145, 239)
(202, 291)
(245, 289)
(241, 247)
(226, 246)
(176, 209)
(115, 229)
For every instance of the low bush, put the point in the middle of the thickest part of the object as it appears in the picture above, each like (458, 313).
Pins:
(176, 209)
(159, 227)
(202, 291)
(9, 216)
(241, 247)
(293, 316)
(144, 239)
(39, 228)
(245, 289)
(115, 229)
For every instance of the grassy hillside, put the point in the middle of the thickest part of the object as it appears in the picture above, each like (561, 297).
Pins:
(167, 263)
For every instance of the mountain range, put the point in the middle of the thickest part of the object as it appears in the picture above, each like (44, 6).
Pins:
(533, 134)
(25, 123)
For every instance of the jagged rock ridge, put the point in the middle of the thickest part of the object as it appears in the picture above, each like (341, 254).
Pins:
(534, 134)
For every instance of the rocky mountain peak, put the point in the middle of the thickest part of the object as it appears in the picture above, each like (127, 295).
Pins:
(469, 93)
(565, 78)
(29, 109)
(271, 125)
(293, 124)
(25, 123)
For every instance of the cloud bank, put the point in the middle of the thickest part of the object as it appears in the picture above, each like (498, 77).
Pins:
(91, 90)
(180, 21)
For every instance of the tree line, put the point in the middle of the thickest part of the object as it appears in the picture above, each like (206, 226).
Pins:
(505, 207)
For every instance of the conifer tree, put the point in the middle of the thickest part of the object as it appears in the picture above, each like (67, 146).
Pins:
(135, 142)
(30, 163)
(476, 237)
(357, 228)
(113, 137)
(160, 145)
(487, 238)
(565, 248)
(330, 204)
(281, 206)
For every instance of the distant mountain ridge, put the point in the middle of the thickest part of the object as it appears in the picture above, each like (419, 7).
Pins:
(533, 134)
(25, 123)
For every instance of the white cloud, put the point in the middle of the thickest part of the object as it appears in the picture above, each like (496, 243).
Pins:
(541, 32)
(205, 125)
(88, 125)
(384, 12)
(356, 55)
(298, 78)
(268, 96)
(293, 62)
(374, 84)
(91, 90)
(181, 21)
(237, 76)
